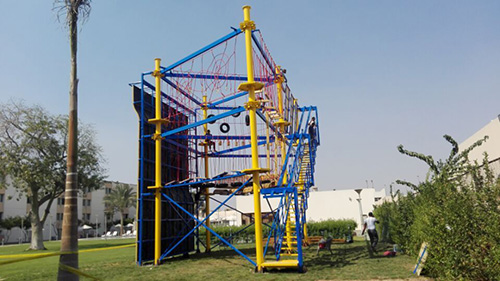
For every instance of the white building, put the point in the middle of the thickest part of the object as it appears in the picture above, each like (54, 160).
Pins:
(226, 217)
(491, 146)
(90, 210)
(324, 205)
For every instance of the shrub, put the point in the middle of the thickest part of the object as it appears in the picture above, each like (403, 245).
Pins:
(456, 211)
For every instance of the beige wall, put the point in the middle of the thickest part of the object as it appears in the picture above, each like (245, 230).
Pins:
(324, 205)
(491, 146)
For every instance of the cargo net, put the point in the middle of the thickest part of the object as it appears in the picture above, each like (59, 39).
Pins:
(214, 74)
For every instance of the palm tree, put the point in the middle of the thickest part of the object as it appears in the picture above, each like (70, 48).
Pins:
(120, 199)
(74, 10)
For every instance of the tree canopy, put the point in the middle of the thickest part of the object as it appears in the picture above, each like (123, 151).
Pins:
(33, 155)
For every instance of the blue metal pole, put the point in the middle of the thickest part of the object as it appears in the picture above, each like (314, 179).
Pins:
(298, 229)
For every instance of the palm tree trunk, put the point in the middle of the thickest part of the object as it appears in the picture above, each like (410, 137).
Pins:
(121, 221)
(69, 241)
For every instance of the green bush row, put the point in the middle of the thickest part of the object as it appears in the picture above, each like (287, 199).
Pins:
(333, 228)
(338, 229)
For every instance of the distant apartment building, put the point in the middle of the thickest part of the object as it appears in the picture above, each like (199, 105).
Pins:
(91, 209)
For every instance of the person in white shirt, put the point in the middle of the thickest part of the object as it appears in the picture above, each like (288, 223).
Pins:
(372, 231)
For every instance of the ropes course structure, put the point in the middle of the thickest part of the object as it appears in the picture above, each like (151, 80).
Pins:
(219, 123)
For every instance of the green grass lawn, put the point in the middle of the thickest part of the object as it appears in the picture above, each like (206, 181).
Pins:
(349, 262)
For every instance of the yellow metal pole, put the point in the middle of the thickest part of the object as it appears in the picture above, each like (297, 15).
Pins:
(207, 191)
(251, 86)
(157, 136)
(268, 153)
(282, 122)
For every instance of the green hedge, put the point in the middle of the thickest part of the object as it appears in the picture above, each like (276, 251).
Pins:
(334, 228)
(338, 229)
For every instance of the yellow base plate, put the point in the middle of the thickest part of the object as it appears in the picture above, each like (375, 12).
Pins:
(281, 263)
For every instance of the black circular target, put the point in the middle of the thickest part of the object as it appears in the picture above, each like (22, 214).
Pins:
(211, 115)
(224, 127)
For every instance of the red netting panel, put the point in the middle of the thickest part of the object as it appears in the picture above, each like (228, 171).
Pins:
(217, 74)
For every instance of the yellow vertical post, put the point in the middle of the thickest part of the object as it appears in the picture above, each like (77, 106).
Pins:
(282, 123)
(158, 121)
(251, 86)
(158, 164)
(296, 115)
(268, 152)
(207, 191)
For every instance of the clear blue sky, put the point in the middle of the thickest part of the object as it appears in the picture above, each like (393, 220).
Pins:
(382, 73)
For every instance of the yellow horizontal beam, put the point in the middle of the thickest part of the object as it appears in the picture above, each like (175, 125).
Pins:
(158, 121)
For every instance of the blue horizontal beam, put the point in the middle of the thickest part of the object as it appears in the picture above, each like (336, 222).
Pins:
(277, 190)
(221, 137)
(237, 156)
(214, 77)
(204, 121)
(238, 174)
(203, 50)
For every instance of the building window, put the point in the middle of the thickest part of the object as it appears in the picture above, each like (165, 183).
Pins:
(108, 190)
(59, 216)
(60, 201)
(1, 198)
(125, 216)
(1, 215)
(28, 200)
(87, 217)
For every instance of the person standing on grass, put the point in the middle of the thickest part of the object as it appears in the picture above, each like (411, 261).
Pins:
(372, 231)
